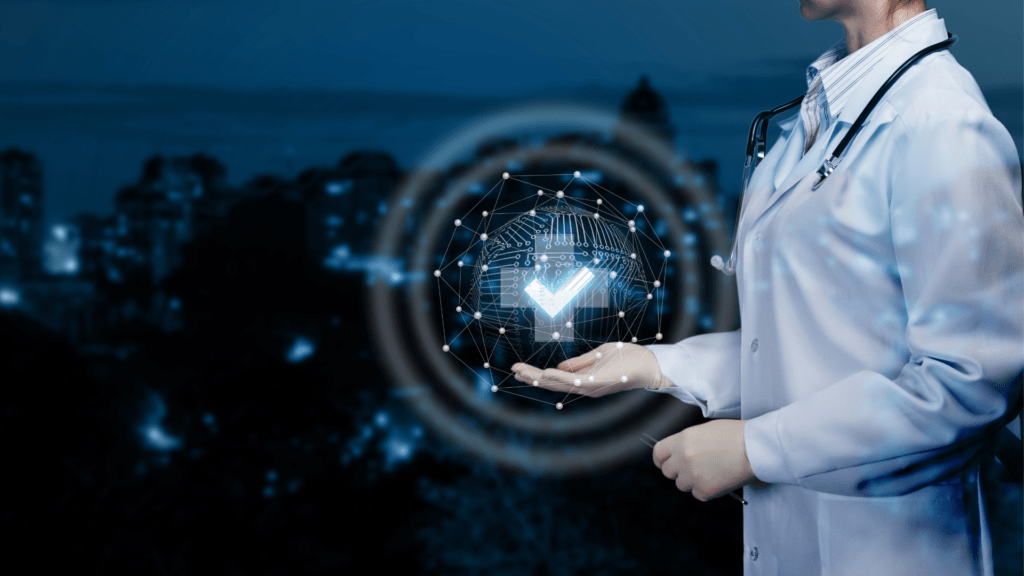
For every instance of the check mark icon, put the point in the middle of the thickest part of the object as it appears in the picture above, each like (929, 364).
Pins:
(553, 303)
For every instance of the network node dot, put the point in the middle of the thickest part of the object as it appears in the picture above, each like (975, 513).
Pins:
(632, 228)
(598, 354)
(484, 267)
(599, 201)
(622, 314)
(445, 348)
(458, 222)
(485, 213)
(633, 339)
(437, 273)
(649, 295)
(555, 335)
(559, 405)
(596, 215)
(576, 382)
(640, 208)
(484, 236)
(597, 260)
(667, 253)
(613, 274)
(591, 378)
(533, 212)
(658, 336)
(632, 223)
(458, 308)
(568, 324)
(501, 330)
(540, 192)
(505, 175)
(543, 257)
(494, 388)
(535, 383)
(536, 267)
(618, 344)
(477, 315)
(633, 255)
(657, 283)
(576, 174)
(487, 364)
(624, 378)
(461, 263)
(560, 194)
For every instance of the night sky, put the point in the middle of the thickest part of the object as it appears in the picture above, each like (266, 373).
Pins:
(95, 87)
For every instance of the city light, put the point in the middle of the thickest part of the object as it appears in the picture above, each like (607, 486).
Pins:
(9, 297)
(300, 350)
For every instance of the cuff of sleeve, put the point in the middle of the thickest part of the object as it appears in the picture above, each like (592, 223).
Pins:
(675, 359)
(764, 450)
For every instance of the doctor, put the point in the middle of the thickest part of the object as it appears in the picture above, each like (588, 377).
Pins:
(882, 324)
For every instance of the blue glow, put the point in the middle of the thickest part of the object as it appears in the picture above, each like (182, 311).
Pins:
(692, 305)
(268, 492)
(689, 239)
(334, 220)
(300, 350)
(153, 435)
(690, 215)
(337, 188)
(9, 297)
(476, 188)
(174, 304)
(707, 322)
(381, 419)
(271, 475)
(60, 232)
(208, 419)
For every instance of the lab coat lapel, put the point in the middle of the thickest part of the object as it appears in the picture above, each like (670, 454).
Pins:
(906, 47)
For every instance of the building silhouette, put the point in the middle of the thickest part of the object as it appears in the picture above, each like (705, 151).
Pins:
(21, 215)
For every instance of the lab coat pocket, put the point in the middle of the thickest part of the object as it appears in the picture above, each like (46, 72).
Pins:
(923, 532)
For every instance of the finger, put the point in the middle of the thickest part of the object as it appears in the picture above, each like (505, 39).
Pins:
(555, 376)
(526, 373)
(580, 362)
(586, 360)
(662, 451)
(684, 485)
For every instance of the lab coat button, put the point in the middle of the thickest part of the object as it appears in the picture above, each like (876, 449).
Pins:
(753, 345)
(753, 554)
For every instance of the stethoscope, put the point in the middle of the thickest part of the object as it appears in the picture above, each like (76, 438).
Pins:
(758, 136)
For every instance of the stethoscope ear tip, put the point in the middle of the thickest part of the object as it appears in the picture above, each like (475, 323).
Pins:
(727, 269)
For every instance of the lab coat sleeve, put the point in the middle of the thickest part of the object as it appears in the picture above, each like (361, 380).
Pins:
(958, 238)
(704, 371)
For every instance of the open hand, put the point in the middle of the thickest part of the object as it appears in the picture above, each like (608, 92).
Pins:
(606, 369)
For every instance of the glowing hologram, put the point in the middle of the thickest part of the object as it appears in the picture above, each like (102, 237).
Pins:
(550, 280)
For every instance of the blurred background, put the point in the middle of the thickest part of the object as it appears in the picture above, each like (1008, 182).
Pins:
(190, 199)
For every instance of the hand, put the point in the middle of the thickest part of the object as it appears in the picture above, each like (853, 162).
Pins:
(606, 369)
(709, 460)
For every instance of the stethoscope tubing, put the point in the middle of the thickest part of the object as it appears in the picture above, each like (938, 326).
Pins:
(757, 137)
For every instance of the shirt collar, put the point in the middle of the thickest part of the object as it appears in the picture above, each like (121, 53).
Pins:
(843, 75)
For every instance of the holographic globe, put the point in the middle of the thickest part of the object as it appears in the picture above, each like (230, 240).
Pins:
(556, 282)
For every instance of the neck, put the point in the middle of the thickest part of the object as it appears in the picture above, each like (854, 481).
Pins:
(872, 20)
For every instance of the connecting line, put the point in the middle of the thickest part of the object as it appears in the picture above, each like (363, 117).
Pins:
(586, 214)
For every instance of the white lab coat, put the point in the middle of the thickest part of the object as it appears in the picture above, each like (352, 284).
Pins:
(882, 329)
